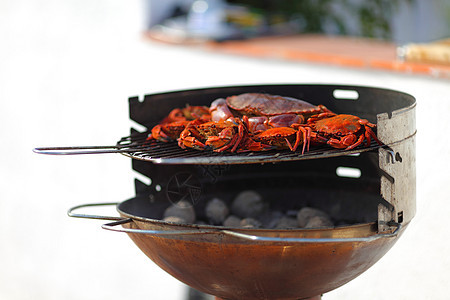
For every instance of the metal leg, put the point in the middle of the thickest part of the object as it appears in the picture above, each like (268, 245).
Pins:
(193, 294)
(311, 298)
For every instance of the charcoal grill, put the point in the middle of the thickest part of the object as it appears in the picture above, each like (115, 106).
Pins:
(374, 206)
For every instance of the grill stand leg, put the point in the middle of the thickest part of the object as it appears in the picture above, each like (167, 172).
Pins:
(311, 298)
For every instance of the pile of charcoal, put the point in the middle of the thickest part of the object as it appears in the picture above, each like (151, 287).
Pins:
(247, 210)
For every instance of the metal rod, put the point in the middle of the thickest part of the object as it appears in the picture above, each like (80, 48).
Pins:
(315, 240)
(70, 212)
(110, 226)
(87, 150)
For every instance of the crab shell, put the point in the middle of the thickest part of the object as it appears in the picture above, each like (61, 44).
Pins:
(340, 125)
(187, 113)
(170, 128)
(260, 104)
(167, 132)
(280, 138)
(196, 112)
(342, 131)
(219, 136)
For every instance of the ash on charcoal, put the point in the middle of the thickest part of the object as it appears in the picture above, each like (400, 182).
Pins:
(248, 210)
(183, 210)
(286, 222)
(174, 219)
(270, 218)
(232, 221)
(319, 221)
(250, 223)
(248, 204)
(306, 214)
(216, 211)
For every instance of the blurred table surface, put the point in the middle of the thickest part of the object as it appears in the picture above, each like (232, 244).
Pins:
(345, 51)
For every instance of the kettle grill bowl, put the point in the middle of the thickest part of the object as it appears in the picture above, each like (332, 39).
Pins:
(229, 267)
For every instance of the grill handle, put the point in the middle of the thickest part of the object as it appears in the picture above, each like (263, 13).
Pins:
(71, 213)
(110, 226)
(317, 240)
(120, 221)
(82, 150)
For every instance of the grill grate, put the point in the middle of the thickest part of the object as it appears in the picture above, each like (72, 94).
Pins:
(136, 146)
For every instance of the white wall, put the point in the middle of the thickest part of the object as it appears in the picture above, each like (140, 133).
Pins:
(423, 21)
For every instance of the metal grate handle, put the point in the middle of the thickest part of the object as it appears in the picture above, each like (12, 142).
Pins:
(120, 221)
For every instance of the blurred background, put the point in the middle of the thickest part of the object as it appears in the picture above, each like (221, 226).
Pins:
(68, 67)
(399, 21)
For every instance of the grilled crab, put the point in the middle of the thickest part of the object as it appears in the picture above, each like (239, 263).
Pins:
(260, 104)
(218, 136)
(167, 132)
(258, 122)
(264, 111)
(187, 113)
(341, 131)
(170, 128)
(284, 138)
(271, 122)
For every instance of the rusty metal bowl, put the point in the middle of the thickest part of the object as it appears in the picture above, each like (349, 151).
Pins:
(235, 263)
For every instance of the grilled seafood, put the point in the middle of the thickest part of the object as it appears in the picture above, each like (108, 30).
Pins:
(218, 136)
(260, 104)
(259, 122)
(284, 137)
(170, 128)
(341, 131)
